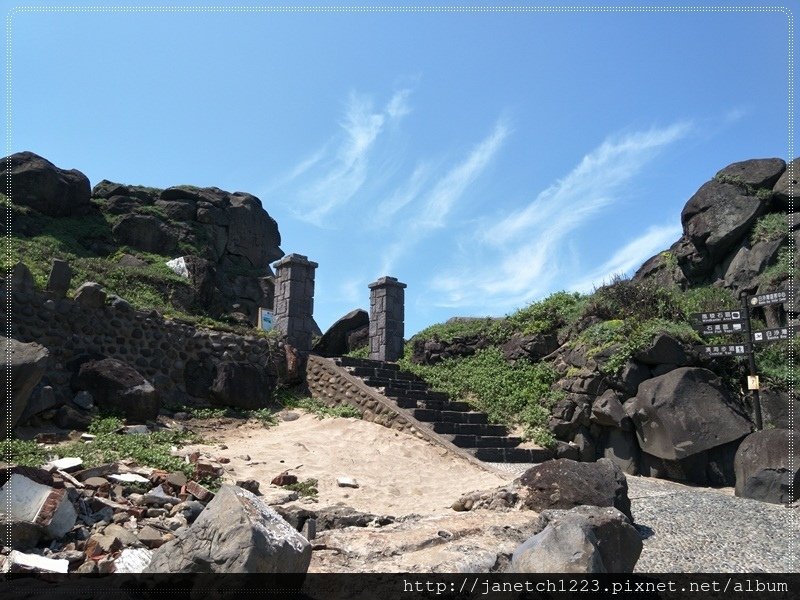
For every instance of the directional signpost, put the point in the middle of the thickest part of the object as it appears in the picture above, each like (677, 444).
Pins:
(726, 322)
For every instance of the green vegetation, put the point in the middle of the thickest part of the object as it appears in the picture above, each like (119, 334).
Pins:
(288, 399)
(23, 452)
(772, 226)
(781, 270)
(555, 312)
(306, 488)
(362, 352)
(513, 395)
(777, 363)
(265, 415)
(150, 449)
(493, 329)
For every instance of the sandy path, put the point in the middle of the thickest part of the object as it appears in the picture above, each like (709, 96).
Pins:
(397, 474)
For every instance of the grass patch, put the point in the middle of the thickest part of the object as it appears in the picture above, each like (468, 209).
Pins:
(781, 270)
(362, 352)
(151, 449)
(26, 453)
(288, 399)
(772, 363)
(493, 329)
(548, 315)
(773, 226)
(512, 395)
(307, 488)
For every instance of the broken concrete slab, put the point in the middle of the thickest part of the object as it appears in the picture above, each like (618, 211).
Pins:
(346, 482)
(33, 509)
(66, 464)
(20, 562)
(133, 560)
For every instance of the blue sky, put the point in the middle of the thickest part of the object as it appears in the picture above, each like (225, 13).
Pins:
(485, 159)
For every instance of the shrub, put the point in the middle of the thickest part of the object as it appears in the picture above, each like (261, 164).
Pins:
(773, 226)
(512, 395)
(26, 453)
(490, 328)
(548, 315)
(638, 300)
(289, 399)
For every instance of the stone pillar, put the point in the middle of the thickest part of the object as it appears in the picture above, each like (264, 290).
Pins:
(294, 299)
(387, 313)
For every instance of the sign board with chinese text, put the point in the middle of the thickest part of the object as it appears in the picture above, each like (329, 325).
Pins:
(726, 350)
(723, 316)
(777, 334)
(765, 299)
(265, 319)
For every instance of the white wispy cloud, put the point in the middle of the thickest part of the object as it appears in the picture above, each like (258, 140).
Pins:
(522, 249)
(436, 204)
(630, 256)
(340, 169)
(403, 196)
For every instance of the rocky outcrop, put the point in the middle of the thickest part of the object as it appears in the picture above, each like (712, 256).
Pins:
(236, 533)
(337, 340)
(25, 364)
(242, 385)
(117, 386)
(39, 184)
(685, 412)
(563, 483)
(586, 539)
(767, 466)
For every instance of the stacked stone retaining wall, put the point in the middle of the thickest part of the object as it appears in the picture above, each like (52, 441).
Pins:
(160, 349)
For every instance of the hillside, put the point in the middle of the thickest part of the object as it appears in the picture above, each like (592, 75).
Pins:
(122, 236)
(570, 368)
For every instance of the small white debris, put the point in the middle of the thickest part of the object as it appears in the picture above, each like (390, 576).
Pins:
(63, 464)
(348, 482)
(133, 560)
(87, 437)
(129, 478)
(136, 429)
(34, 561)
(179, 266)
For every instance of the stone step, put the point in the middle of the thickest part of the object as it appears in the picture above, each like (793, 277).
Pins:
(392, 392)
(349, 361)
(387, 374)
(484, 441)
(470, 428)
(395, 384)
(512, 455)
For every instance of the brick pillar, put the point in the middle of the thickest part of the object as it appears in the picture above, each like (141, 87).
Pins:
(294, 299)
(387, 313)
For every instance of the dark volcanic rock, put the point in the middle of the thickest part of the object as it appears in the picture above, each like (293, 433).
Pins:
(756, 172)
(40, 185)
(663, 349)
(531, 347)
(146, 233)
(25, 364)
(586, 539)
(563, 483)
(787, 186)
(718, 216)
(685, 412)
(767, 466)
(335, 341)
(252, 233)
(745, 268)
(116, 385)
(242, 385)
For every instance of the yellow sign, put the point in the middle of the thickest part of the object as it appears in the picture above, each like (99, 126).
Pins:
(752, 382)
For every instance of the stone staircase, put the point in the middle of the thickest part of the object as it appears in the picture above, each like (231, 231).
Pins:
(453, 421)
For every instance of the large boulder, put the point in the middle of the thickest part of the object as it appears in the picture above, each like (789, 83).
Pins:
(744, 271)
(252, 233)
(684, 412)
(756, 172)
(242, 385)
(586, 539)
(718, 216)
(663, 349)
(787, 187)
(767, 466)
(146, 233)
(529, 347)
(334, 342)
(42, 186)
(564, 483)
(117, 386)
(26, 364)
(236, 533)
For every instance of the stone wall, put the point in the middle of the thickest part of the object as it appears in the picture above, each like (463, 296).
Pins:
(177, 358)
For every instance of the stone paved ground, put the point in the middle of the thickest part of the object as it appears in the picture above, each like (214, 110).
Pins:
(693, 529)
